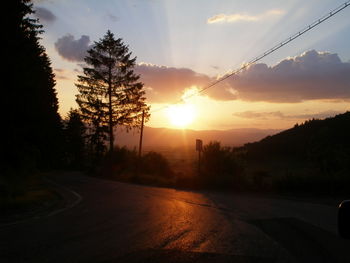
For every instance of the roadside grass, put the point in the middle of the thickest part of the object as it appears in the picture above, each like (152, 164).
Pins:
(26, 195)
(125, 165)
(226, 170)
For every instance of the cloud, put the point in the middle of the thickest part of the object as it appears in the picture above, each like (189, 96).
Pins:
(232, 18)
(43, 1)
(220, 18)
(113, 17)
(44, 14)
(311, 76)
(64, 74)
(167, 84)
(280, 115)
(71, 49)
(59, 73)
(258, 115)
(164, 84)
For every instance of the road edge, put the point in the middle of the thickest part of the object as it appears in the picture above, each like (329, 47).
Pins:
(70, 197)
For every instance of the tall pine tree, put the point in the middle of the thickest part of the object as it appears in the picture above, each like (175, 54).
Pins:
(33, 125)
(110, 93)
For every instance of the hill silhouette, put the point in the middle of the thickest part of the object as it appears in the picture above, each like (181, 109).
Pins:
(155, 138)
(311, 139)
(315, 154)
(310, 158)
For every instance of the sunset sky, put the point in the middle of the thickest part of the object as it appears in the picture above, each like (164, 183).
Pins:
(184, 45)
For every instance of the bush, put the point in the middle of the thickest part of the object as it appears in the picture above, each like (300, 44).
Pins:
(220, 166)
(120, 161)
(125, 165)
(154, 163)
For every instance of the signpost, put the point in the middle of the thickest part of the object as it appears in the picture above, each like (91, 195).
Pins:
(199, 148)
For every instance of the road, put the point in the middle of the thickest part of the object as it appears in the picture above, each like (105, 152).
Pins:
(117, 222)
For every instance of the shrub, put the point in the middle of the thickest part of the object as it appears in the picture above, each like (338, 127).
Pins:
(220, 166)
(154, 163)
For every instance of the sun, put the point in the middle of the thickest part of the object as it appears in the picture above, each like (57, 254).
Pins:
(181, 115)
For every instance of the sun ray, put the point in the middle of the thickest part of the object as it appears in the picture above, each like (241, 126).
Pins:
(181, 115)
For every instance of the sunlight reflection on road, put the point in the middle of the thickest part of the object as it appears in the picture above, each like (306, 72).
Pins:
(191, 222)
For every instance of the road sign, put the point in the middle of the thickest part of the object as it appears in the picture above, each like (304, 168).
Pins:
(199, 145)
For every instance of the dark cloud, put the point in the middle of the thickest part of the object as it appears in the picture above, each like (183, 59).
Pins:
(164, 84)
(167, 84)
(60, 73)
(71, 49)
(112, 17)
(310, 76)
(44, 14)
(280, 115)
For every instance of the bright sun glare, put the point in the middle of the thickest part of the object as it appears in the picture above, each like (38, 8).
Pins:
(181, 115)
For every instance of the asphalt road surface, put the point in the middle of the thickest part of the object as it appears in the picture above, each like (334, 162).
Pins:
(105, 221)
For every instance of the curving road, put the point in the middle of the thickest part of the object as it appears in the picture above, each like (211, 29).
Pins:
(116, 222)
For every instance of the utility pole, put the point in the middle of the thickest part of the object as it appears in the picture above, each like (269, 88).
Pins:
(138, 164)
(199, 148)
(141, 134)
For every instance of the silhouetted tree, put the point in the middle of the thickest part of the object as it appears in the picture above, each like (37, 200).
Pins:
(75, 139)
(220, 166)
(156, 164)
(33, 125)
(110, 93)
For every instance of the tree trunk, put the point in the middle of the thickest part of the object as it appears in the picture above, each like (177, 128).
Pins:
(110, 112)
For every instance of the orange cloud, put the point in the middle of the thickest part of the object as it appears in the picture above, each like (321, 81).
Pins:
(280, 115)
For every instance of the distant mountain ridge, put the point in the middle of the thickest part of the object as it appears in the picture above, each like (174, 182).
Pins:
(164, 137)
(313, 157)
(327, 140)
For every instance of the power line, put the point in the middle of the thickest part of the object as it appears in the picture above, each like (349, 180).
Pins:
(266, 53)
